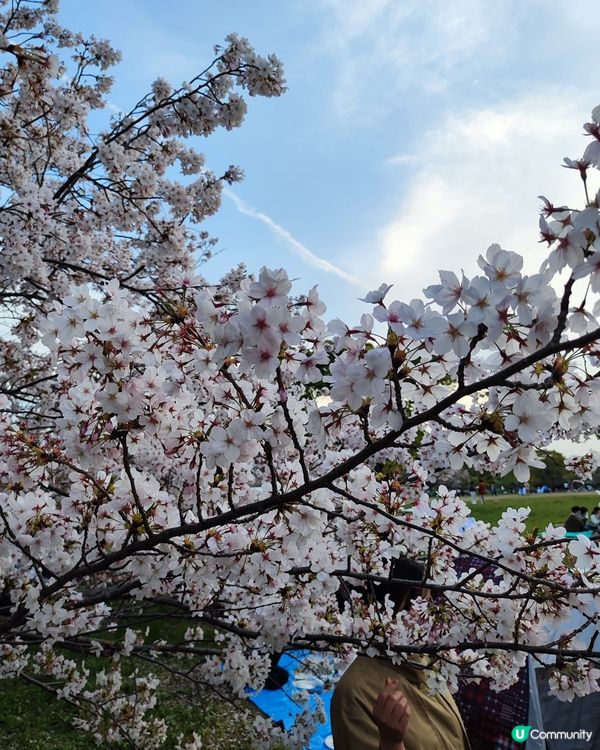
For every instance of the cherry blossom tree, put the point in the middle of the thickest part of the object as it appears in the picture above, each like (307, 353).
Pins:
(223, 451)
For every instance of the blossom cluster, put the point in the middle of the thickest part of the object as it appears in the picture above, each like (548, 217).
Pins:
(226, 451)
(124, 196)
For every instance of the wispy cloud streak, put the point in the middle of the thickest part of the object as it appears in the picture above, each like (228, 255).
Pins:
(294, 245)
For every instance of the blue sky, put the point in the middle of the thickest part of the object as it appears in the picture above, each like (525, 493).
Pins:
(413, 134)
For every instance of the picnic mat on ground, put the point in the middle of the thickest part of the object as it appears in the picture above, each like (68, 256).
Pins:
(283, 704)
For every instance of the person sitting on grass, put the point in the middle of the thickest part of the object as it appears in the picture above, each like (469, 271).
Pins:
(574, 522)
(379, 705)
(594, 520)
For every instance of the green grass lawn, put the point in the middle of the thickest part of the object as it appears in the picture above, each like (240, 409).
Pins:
(549, 508)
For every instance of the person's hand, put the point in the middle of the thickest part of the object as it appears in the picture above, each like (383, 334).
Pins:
(391, 712)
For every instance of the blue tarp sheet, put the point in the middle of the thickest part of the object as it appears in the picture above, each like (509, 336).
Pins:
(281, 704)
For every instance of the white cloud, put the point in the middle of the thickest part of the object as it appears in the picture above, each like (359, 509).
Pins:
(292, 243)
(477, 179)
(382, 48)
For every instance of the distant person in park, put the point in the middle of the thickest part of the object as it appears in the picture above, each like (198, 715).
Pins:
(594, 520)
(278, 676)
(583, 514)
(481, 490)
(574, 522)
(378, 705)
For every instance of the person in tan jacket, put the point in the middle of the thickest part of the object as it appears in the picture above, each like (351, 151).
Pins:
(381, 706)
(378, 705)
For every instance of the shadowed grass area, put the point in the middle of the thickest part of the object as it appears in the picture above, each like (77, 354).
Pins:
(550, 508)
(32, 719)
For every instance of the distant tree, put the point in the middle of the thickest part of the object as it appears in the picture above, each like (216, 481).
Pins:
(554, 473)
